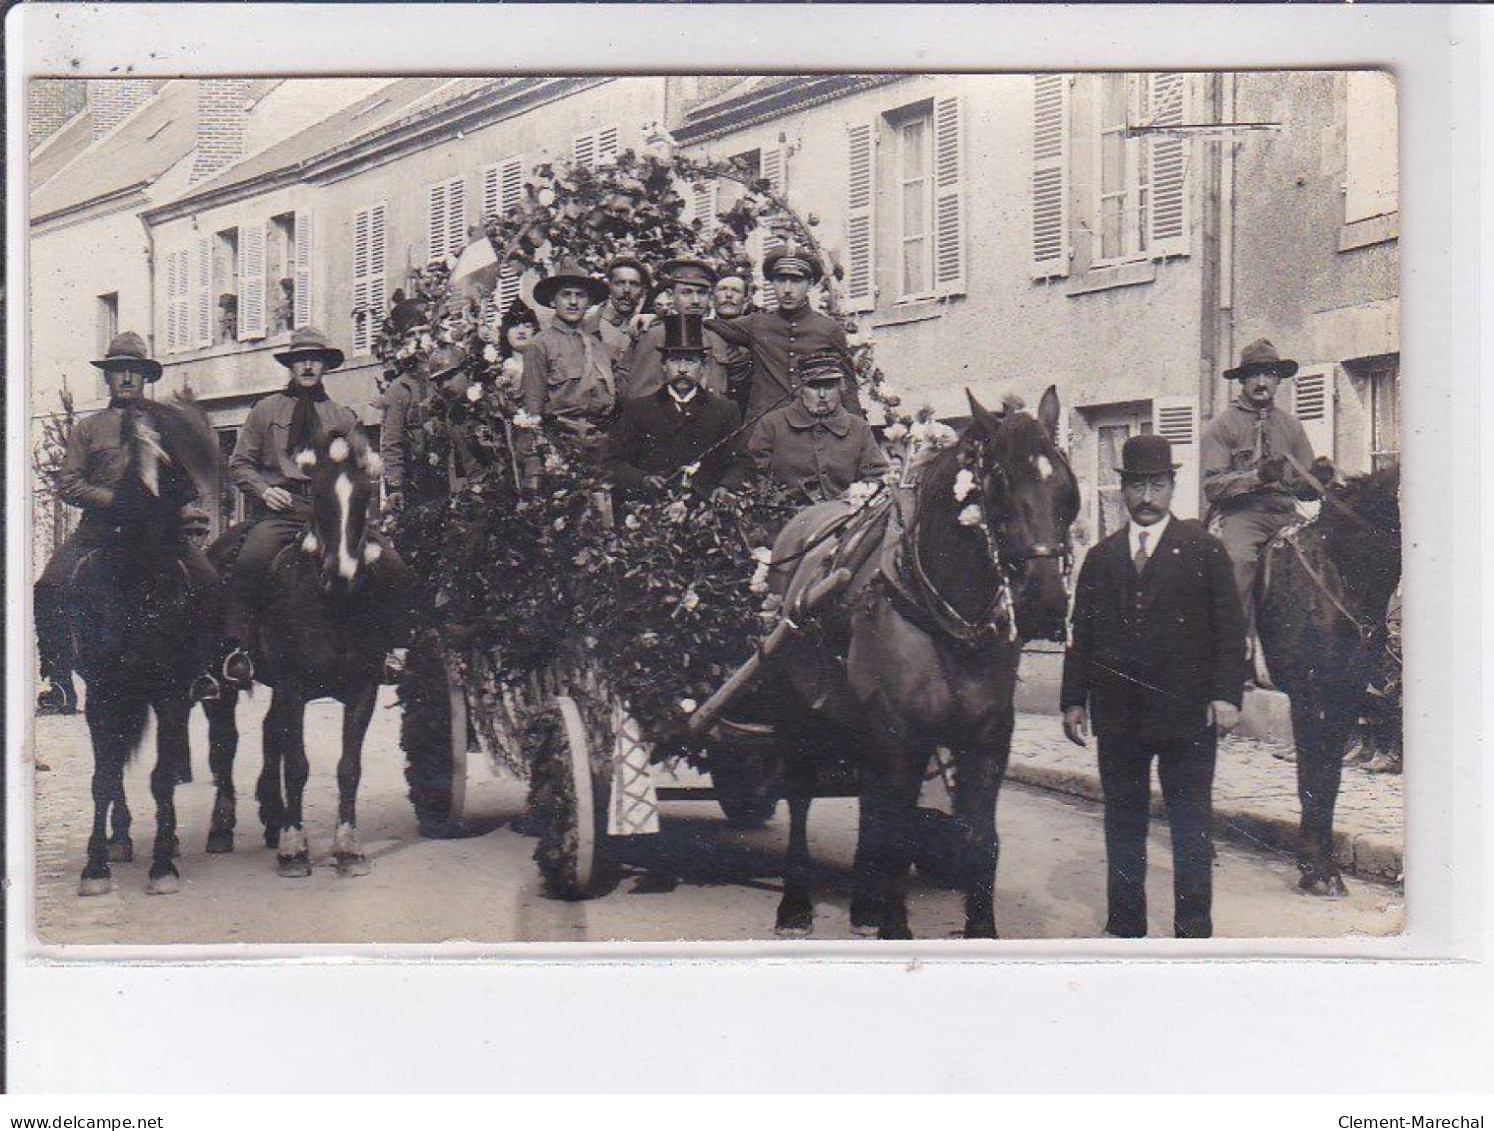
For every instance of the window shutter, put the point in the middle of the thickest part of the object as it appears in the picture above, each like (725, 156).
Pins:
(1050, 176)
(705, 203)
(205, 299)
(456, 216)
(1313, 397)
(606, 145)
(770, 169)
(251, 282)
(491, 178)
(861, 199)
(435, 222)
(1372, 165)
(1167, 166)
(173, 327)
(376, 258)
(949, 201)
(368, 276)
(584, 150)
(1177, 419)
(301, 316)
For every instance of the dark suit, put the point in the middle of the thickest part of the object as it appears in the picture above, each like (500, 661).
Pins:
(1146, 656)
(655, 436)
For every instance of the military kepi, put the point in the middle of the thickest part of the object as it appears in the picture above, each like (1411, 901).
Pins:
(1260, 356)
(1147, 454)
(824, 367)
(128, 348)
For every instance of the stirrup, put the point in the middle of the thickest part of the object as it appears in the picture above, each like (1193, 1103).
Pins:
(58, 699)
(238, 668)
(394, 667)
(204, 688)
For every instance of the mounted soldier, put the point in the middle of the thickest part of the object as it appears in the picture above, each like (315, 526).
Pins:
(92, 467)
(266, 464)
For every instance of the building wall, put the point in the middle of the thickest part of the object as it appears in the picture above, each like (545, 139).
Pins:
(1299, 279)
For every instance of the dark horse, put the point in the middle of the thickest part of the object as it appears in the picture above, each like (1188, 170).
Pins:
(142, 633)
(1321, 600)
(923, 652)
(323, 632)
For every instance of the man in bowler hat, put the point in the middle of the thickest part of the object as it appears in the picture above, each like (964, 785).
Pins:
(1156, 663)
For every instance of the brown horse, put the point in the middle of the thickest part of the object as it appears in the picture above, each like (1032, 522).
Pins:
(1321, 601)
(923, 651)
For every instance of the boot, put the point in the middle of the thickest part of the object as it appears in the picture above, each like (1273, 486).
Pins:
(59, 698)
(394, 667)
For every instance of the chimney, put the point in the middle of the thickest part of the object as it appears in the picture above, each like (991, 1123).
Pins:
(111, 101)
(220, 125)
(51, 103)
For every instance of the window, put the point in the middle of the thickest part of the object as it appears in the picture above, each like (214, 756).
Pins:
(1372, 169)
(1385, 414)
(597, 147)
(915, 197)
(106, 325)
(368, 275)
(230, 498)
(445, 218)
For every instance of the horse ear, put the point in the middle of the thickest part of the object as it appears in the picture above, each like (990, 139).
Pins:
(1048, 411)
(983, 417)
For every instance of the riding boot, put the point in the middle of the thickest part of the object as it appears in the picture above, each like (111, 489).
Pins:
(394, 667)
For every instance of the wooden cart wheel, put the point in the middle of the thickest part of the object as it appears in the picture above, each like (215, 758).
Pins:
(567, 852)
(458, 699)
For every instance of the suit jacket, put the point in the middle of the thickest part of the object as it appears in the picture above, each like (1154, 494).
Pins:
(654, 436)
(1147, 654)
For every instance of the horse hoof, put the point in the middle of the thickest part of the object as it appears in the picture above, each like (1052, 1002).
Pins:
(352, 865)
(900, 932)
(95, 885)
(168, 883)
(783, 932)
(794, 922)
(272, 838)
(121, 851)
(865, 930)
(219, 842)
(296, 867)
(985, 929)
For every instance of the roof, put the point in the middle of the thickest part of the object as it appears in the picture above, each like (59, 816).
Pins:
(64, 145)
(765, 98)
(147, 143)
(384, 105)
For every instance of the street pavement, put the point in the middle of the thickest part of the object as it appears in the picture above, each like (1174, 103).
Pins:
(485, 889)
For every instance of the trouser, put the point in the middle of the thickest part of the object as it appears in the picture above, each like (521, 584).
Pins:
(273, 533)
(1244, 532)
(1185, 767)
(53, 637)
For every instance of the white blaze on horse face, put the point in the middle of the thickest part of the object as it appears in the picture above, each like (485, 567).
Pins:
(347, 564)
(1044, 468)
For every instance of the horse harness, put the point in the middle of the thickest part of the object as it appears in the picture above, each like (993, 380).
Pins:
(1289, 538)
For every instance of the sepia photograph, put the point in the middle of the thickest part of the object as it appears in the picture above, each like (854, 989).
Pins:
(589, 508)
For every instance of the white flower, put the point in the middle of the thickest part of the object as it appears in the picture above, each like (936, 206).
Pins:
(942, 435)
(763, 555)
(523, 419)
(964, 483)
(490, 353)
(553, 463)
(558, 524)
(895, 432)
(631, 522)
(970, 516)
(690, 599)
(474, 392)
(675, 511)
(306, 459)
(691, 469)
(759, 583)
(861, 493)
(688, 706)
(546, 197)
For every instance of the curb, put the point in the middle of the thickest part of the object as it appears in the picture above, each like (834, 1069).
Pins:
(1367, 857)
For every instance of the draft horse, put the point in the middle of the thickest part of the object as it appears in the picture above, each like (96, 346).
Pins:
(1321, 599)
(924, 648)
(141, 631)
(323, 631)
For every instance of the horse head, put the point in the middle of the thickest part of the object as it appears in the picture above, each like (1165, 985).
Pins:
(1361, 526)
(344, 473)
(1028, 497)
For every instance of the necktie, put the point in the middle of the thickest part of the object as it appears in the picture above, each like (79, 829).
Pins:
(1142, 557)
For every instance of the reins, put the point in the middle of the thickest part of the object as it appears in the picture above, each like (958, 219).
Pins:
(1333, 500)
(1290, 538)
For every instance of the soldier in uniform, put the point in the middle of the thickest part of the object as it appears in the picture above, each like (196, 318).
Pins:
(689, 283)
(779, 338)
(1246, 478)
(264, 465)
(409, 476)
(616, 320)
(92, 467)
(814, 446)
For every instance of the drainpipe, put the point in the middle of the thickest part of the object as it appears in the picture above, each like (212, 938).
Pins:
(1212, 288)
(150, 281)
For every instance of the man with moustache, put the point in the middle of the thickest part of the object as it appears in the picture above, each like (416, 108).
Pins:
(1156, 661)
(616, 320)
(689, 283)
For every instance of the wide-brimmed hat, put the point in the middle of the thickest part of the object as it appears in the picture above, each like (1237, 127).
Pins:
(793, 260)
(308, 341)
(444, 361)
(686, 270)
(569, 273)
(683, 333)
(823, 366)
(128, 348)
(1260, 356)
(636, 265)
(1147, 454)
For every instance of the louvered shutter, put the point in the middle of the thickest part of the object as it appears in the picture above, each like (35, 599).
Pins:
(861, 200)
(368, 276)
(204, 297)
(1313, 397)
(1177, 419)
(1167, 205)
(251, 282)
(584, 150)
(704, 204)
(491, 178)
(949, 196)
(301, 315)
(456, 216)
(360, 279)
(606, 145)
(1050, 176)
(173, 325)
(770, 169)
(435, 221)
(376, 263)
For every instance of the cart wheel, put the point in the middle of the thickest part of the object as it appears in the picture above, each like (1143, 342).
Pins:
(938, 848)
(746, 784)
(567, 853)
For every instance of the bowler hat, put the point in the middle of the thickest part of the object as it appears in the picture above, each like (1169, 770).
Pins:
(1147, 454)
(793, 260)
(1260, 356)
(128, 348)
(685, 270)
(683, 333)
(636, 265)
(310, 342)
(569, 273)
(823, 366)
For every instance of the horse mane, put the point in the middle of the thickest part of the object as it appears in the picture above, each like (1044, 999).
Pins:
(1375, 494)
(1365, 543)
(188, 438)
